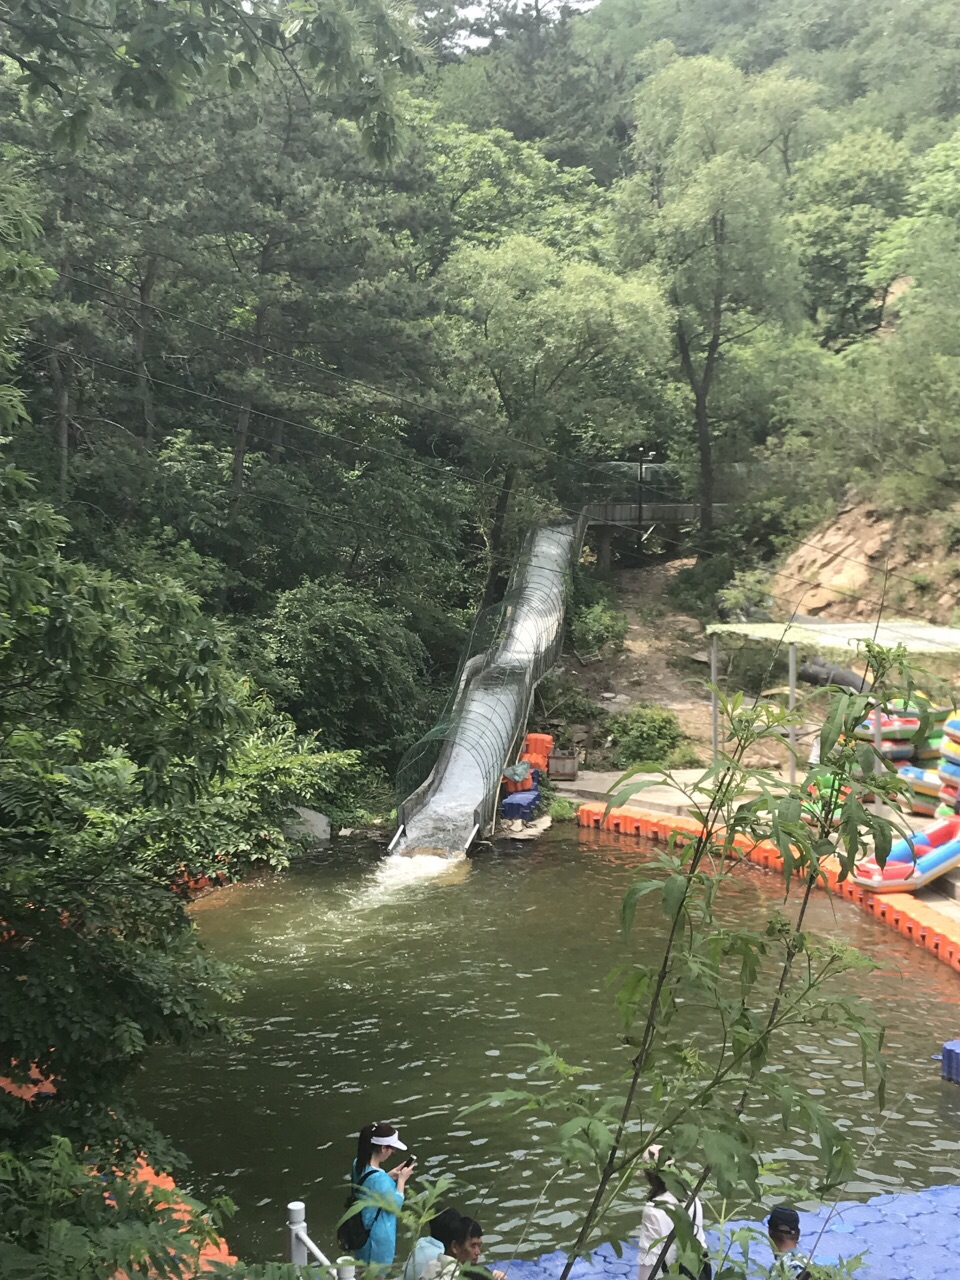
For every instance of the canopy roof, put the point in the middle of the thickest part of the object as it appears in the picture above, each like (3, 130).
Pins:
(845, 637)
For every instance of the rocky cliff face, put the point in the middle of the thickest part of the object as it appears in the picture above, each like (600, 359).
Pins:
(864, 556)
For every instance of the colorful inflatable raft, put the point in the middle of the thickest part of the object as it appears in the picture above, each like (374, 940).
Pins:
(892, 728)
(924, 790)
(914, 862)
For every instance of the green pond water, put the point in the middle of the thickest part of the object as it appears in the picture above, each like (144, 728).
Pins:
(373, 995)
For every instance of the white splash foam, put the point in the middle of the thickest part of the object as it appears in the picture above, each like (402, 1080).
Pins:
(403, 869)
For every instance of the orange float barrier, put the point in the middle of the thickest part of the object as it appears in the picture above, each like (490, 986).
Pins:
(211, 1254)
(590, 814)
(921, 924)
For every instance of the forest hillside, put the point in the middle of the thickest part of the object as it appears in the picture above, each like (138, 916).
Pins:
(307, 312)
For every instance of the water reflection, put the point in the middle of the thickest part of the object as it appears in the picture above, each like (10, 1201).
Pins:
(380, 995)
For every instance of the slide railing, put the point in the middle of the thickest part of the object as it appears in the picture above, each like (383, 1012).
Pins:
(451, 778)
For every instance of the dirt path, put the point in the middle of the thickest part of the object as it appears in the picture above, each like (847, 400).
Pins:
(661, 646)
(664, 658)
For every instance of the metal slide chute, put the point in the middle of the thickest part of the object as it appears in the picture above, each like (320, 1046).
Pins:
(451, 778)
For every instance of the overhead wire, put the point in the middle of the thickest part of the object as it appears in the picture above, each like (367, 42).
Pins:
(410, 462)
(324, 513)
(328, 371)
(124, 303)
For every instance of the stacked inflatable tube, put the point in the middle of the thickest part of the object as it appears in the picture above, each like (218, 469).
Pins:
(924, 788)
(949, 767)
(914, 862)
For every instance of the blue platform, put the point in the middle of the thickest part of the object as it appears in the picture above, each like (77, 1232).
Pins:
(521, 804)
(909, 1236)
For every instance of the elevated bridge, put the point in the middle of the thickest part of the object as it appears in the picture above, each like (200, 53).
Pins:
(642, 494)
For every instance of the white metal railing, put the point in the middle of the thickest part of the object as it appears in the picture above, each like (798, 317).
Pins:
(303, 1251)
(397, 835)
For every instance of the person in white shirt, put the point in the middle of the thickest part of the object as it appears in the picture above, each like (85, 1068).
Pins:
(656, 1224)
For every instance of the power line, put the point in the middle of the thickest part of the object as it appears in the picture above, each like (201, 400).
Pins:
(574, 514)
(272, 417)
(327, 371)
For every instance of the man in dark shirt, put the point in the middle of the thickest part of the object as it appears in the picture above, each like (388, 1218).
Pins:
(783, 1227)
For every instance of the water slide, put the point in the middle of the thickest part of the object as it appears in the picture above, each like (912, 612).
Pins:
(451, 778)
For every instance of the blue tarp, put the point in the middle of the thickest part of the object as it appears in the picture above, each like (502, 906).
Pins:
(911, 1235)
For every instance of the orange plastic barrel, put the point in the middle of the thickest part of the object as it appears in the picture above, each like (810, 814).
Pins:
(525, 784)
(538, 744)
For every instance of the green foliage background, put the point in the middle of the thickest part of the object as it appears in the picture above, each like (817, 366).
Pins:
(306, 313)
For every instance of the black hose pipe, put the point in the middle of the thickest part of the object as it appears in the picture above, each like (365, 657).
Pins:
(819, 672)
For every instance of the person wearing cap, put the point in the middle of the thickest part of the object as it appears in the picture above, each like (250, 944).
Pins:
(783, 1227)
(443, 1228)
(375, 1147)
(656, 1224)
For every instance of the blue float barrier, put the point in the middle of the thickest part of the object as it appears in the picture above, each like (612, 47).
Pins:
(950, 1062)
(904, 1236)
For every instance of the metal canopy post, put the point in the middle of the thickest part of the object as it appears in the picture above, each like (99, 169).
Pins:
(714, 702)
(792, 704)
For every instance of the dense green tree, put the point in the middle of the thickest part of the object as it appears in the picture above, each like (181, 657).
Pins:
(78, 51)
(462, 186)
(110, 690)
(555, 354)
(538, 75)
(706, 210)
(344, 662)
(845, 196)
(127, 763)
(22, 279)
(443, 26)
(275, 308)
(63, 1219)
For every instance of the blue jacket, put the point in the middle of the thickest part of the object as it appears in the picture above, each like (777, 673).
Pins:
(382, 1225)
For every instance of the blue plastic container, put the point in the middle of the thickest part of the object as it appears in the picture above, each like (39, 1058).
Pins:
(522, 804)
(950, 1062)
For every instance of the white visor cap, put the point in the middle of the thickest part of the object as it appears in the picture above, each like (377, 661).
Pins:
(392, 1141)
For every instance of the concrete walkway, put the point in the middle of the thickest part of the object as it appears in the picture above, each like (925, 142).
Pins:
(908, 1236)
(664, 797)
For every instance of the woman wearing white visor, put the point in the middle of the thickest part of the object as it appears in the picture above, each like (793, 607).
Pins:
(376, 1146)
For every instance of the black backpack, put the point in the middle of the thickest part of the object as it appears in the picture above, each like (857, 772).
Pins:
(706, 1271)
(352, 1234)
